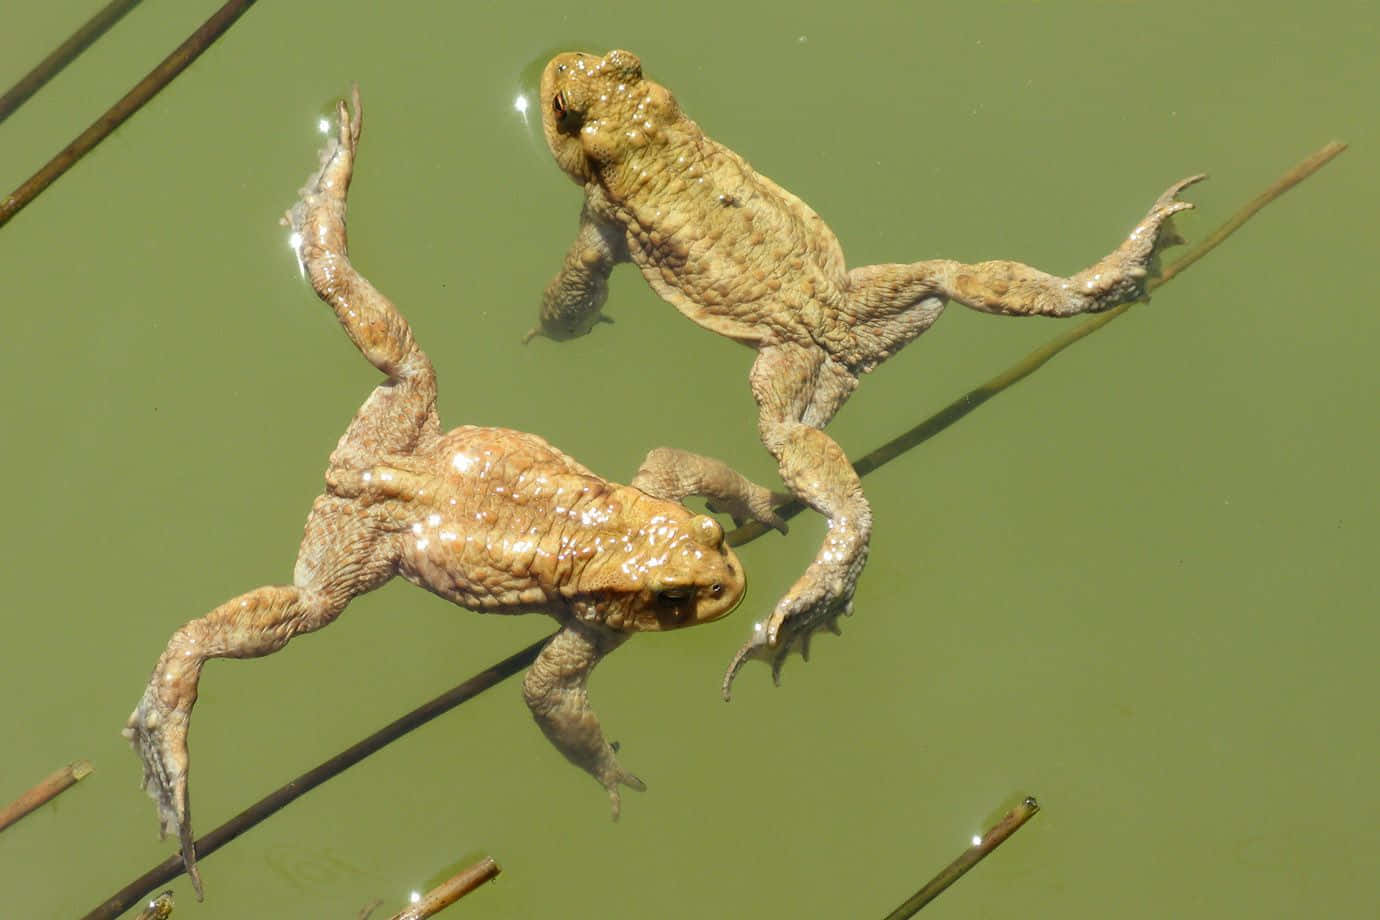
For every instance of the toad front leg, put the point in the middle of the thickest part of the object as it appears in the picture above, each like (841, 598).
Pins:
(673, 474)
(556, 691)
(571, 303)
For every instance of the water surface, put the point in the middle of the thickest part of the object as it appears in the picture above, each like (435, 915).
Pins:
(1138, 586)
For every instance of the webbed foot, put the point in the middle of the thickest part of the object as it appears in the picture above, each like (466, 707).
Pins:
(815, 602)
(158, 734)
(611, 776)
(330, 182)
(1160, 222)
(756, 503)
(1121, 277)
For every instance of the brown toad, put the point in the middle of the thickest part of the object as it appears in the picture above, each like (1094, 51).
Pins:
(494, 520)
(745, 258)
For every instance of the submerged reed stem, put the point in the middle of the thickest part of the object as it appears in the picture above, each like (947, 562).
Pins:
(67, 52)
(167, 71)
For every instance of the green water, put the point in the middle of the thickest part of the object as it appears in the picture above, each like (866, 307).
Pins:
(1139, 586)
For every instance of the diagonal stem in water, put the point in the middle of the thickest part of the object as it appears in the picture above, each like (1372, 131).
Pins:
(995, 836)
(64, 54)
(49, 788)
(167, 70)
(451, 890)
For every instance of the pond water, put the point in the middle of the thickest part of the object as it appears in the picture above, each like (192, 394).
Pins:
(1136, 586)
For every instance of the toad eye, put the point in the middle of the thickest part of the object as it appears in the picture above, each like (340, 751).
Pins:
(558, 105)
(716, 589)
(673, 597)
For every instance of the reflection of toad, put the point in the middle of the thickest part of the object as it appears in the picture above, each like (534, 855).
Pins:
(494, 520)
(745, 258)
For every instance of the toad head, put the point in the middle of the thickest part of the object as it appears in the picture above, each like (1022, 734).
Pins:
(598, 110)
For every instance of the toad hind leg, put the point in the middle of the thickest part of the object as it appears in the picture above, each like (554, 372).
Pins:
(343, 553)
(252, 625)
(402, 411)
(894, 303)
(797, 388)
(256, 623)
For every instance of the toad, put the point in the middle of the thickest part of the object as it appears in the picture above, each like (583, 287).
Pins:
(743, 257)
(493, 520)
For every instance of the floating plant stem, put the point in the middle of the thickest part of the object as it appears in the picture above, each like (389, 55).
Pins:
(970, 857)
(51, 786)
(451, 890)
(118, 113)
(64, 54)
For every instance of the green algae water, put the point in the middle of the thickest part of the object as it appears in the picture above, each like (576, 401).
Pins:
(1137, 585)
